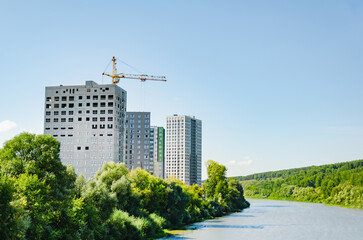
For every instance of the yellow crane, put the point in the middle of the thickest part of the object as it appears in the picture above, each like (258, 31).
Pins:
(142, 77)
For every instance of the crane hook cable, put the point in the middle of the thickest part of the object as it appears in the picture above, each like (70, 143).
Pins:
(131, 66)
(107, 66)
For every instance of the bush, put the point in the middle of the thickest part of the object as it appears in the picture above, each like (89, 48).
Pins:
(158, 220)
(121, 226)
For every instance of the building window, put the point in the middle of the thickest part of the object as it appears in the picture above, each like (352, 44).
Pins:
(78, 148)
(94, 119)
(110, 111)
(102, 119)
(71, 105)
(79, 119)
(95, 104)
(110, 104)
(87, 148)
(56, 105)
(70, 112)
(94, 126)
(102, 104)
(70, 119)
(110, 119)
(71, 98)
(102, 111)
(110, 97)
(94, 111)
(79, 104)
(95, 97)
(64, 98)
(47, 120)
(88, 104)
(80, 97)
(47, 113)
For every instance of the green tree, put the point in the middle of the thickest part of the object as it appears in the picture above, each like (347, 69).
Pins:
(216, 183)
(8, 224)
(43, 187)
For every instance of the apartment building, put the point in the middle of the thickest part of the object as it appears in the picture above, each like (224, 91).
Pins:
(137, 144)
(157, 150)
(88, 120)
(183, 151)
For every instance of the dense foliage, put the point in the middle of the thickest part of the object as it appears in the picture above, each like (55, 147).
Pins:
(43, 199)
(338, 184)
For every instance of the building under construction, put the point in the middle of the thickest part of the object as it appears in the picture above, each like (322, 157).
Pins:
(88, 120)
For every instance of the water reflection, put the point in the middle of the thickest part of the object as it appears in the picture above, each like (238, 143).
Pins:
(272, 206)
(235, 215)
(177, 238)
(231, 226)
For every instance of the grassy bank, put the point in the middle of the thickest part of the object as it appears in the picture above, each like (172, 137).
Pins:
(338, 184)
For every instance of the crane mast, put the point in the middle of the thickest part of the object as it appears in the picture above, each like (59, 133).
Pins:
(142, 77)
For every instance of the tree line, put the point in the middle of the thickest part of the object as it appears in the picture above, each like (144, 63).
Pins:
(40, 198)
(337, 184)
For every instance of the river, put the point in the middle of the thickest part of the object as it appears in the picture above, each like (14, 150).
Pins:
(280, 220)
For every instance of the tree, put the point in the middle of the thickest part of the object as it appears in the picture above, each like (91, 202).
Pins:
(39, 155)
(43, 187)
(216, 184)
(8, 225)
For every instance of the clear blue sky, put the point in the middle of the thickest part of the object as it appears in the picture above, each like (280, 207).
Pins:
(277, 84)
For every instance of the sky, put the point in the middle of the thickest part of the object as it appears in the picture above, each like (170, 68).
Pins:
(277, 84)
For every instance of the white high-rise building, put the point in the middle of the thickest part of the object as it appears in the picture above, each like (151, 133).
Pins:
(88, 120)
(183, 151)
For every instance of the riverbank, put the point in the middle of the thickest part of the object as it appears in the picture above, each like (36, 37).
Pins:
(338, 184)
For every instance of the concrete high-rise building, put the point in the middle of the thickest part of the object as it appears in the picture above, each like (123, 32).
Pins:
(157, 150)
(88, 120)
(183, 152)
(137, 147)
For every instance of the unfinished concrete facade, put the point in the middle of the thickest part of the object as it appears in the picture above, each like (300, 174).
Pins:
(88, 120)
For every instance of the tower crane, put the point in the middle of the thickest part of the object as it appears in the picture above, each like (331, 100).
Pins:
(142, 77)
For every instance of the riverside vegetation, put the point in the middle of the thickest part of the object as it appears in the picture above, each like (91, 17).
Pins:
(336, 184)
(42, 199)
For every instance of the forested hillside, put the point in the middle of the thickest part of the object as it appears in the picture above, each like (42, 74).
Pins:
(337, 184)
(40, 198)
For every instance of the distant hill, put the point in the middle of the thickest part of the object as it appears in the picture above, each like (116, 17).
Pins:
(338, 184)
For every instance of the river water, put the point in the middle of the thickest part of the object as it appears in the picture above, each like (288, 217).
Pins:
(275, 220)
